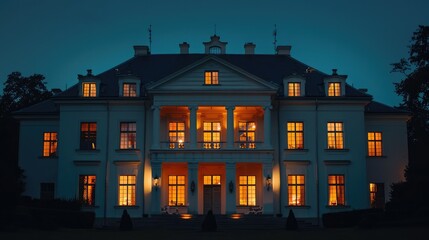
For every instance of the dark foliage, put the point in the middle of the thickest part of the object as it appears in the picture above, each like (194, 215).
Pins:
(349, 218)
(209, 223)
(410, 196)
(126, 224)
(291, 223)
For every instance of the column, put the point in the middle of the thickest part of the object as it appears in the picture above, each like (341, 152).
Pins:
(193, 126)
(193, 187)
(155, 126)
(230, 127)
(231, 183)
(267, 126)
(268, 194)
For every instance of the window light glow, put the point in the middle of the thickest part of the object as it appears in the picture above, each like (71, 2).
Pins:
(87, 189)
(176, 190)
(88, 135)
(176, 134)
(50, 143)
(247, 190)
(211, 77)
(89, 89)
(294, 89)
(335, 135)
(246, 132)
(127, 190)
(296, 190)
(211, 135)
(295, 135)
(375, 144)
(129, 90)
(336, 190)
(334, 89)
(128, 135)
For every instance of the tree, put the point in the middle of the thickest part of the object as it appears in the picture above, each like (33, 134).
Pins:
(414, 89)
(19, 92)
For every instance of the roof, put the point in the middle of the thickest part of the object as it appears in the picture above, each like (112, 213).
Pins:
(153, 67)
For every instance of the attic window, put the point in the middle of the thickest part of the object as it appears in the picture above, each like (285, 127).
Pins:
(129, 90)
(211, 78)
(334, 89)
(294, 89)
(89, 89)
(215, 50)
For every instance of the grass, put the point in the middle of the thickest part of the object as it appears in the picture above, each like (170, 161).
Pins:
(177, 234)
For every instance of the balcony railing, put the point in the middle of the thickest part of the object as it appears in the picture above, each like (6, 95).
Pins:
(210, 145)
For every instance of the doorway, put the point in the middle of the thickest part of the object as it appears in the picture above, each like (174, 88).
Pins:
(212, 194)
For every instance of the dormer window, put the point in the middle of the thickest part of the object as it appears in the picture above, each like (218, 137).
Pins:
(89, 89)
(211, 78)
(334, 89)
(215, 50)
(294, 89)
(129, 90)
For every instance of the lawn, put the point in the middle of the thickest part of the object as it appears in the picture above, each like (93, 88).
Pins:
(176, 234)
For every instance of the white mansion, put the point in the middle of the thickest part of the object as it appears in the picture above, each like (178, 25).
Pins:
(228, 132)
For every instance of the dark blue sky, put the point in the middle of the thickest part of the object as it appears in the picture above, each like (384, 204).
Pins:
(61, 39)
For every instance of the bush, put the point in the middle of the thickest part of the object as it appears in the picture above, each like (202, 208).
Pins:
(349, 218)
(291, 223)
(209, 223)
(126, 223)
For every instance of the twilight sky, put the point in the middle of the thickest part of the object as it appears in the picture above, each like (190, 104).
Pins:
(61, 39)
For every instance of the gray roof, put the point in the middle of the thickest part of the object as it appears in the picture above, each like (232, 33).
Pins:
(151, 68)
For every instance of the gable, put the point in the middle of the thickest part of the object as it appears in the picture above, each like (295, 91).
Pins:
(230, 78)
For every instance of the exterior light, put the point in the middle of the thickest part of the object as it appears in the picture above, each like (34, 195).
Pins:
(268, 182)
(156, 183)
(231, 186)
(192, 187)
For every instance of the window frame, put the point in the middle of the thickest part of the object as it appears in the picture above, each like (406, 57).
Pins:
(212, 144)
(247, 191)
(128, 190)
(176, 132)
(336, 90)
(176, 191)
(88, 138)
(127, 92)
(294, 141)
(339, 188)
(295, 91)
(211, 77)
(125, 136)
(91, 91)
(375, 144)
(248, 143)
(87, 190)
(299, 188)
(50, 144)
(335, 136)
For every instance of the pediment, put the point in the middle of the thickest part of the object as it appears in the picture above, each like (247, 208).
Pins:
(230, 78)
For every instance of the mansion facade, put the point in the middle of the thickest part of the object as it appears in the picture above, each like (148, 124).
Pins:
(230, 133)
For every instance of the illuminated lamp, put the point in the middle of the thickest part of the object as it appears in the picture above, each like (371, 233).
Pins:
(268, 182)
(156, 183)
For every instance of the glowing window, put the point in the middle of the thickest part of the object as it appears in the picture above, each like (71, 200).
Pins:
(246, 131)
(335, 135)
(87, 189)
(127, 190)
(247, 190)
(295, 135)
(176, 134)
(88, 135)
(294, 89)
(334, 89)
(176, 190)
(128, 135)
(89, 89)
(374, 144)
(211, 180)
(372, 194)
(211, 135)
(296, 190)
(211, 78)
(336, 190)
(50, 143)
(129, 90)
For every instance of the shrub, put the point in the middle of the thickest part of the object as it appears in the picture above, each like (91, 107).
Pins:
(209, 223)
(126, 223)
(349, 218)
(291, 223)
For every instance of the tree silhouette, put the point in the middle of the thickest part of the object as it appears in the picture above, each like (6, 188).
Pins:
(414, 89)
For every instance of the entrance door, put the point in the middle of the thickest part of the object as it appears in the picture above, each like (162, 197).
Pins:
(212, 194)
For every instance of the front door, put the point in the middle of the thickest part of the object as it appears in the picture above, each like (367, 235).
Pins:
(212, 194)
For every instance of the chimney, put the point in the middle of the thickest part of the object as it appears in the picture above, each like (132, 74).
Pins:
(283, 50)
(184, 48)
(141, 50)
(334, 72)
(249, 48)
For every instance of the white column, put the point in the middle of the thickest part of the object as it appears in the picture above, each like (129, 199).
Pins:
(231, 182)
(193, 126)
(230, 127)
(267, 126)
(193, 185)
(155, 126)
